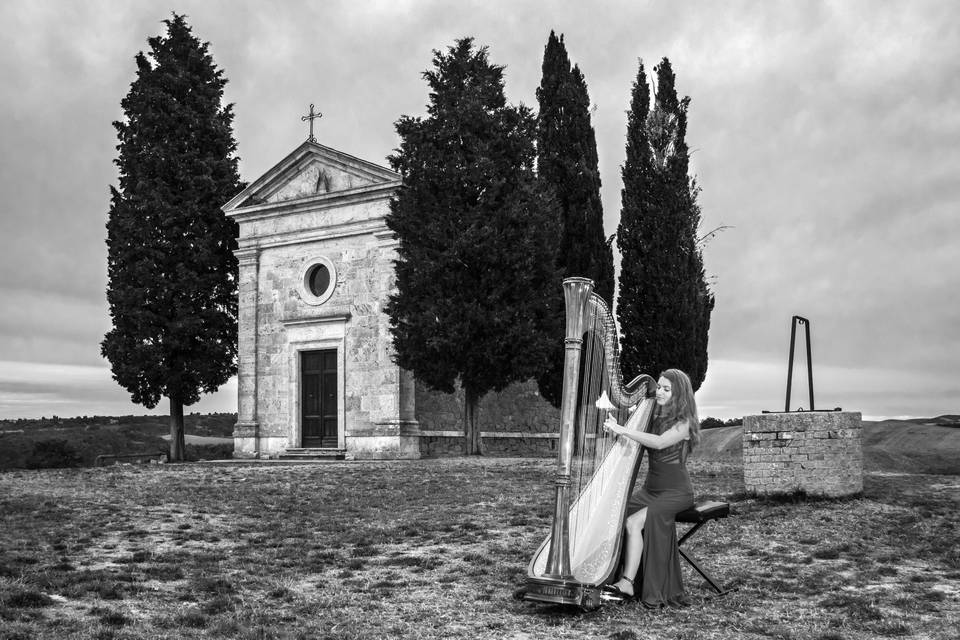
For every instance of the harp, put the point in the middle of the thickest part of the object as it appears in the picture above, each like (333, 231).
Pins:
(595, 471)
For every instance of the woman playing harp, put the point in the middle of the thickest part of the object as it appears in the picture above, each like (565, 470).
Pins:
(650, 543)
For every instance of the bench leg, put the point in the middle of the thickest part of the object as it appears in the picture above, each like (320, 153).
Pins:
(693, 563)
(692, 530)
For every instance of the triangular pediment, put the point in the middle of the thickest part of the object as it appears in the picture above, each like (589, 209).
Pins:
(312, 171)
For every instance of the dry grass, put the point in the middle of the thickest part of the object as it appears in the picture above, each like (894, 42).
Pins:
(435, 549)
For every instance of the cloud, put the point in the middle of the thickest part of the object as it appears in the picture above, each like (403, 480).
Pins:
(32, 390)
(45, 327)
(734, 388)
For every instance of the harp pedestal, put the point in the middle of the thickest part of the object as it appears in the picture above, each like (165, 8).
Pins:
(563, 591)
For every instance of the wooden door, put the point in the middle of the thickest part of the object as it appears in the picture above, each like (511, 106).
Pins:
(318, 398)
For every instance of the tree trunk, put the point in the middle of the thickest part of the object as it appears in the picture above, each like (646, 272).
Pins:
(471, 430)
(177, 446)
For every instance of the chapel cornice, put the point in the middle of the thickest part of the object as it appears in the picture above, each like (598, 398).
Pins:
(374, 227)
(318, 202)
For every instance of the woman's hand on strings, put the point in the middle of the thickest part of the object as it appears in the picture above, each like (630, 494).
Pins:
(611, 425)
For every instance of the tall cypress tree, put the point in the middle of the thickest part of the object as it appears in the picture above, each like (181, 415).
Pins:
(477, 237)
(172, 274)
(664, 303)
(567, 164)
(703, 299)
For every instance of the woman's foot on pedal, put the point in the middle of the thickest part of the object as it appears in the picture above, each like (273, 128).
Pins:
(624, 585)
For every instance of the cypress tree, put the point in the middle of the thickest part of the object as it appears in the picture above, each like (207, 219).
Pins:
(172, 274)
(477, 237)
(664, 303)
(567, 165)
(702, 298)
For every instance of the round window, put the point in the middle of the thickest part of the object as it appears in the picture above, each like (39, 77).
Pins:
(318, 278)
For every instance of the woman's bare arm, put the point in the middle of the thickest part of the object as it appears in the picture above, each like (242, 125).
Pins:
(673, 435)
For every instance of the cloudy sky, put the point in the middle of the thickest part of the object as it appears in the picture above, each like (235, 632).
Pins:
(826, 136)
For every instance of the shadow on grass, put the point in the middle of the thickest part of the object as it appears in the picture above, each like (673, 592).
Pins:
(797, 496)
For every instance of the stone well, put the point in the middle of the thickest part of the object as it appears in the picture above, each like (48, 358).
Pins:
(818, 452)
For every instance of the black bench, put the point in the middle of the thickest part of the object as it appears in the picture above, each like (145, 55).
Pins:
(698, 515)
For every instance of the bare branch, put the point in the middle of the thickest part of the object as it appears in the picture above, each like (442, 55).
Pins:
(702, 241)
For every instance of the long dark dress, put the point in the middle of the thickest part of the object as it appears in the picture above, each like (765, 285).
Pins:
(666, 492)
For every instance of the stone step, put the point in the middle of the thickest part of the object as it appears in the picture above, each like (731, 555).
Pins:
(313, 454)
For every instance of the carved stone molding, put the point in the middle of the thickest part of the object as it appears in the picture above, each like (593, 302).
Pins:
(246, 429)
(248, 256)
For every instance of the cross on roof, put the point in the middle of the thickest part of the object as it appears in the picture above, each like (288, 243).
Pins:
(311, 117)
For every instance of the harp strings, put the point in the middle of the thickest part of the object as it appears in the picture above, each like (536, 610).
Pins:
(591, 443)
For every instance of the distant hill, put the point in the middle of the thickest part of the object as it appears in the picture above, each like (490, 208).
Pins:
(940, 421)
(918, 445)
(89, 437)
(914, 446)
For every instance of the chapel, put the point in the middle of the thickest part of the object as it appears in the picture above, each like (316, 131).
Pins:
(315, 369)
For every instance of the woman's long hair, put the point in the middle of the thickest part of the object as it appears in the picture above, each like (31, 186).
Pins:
(682, 404)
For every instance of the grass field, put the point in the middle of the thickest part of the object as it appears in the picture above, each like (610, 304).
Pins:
(436, 548)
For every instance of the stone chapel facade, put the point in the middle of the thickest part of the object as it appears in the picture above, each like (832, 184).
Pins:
(315, 371)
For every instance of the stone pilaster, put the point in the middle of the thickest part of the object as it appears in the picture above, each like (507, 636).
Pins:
(246, 432)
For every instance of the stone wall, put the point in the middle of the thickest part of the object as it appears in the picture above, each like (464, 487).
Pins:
(514, 422)
(351, 321)
(518, 408)
(492, 445)
(818, 452)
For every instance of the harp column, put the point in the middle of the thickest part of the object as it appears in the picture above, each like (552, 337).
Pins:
(576, 293)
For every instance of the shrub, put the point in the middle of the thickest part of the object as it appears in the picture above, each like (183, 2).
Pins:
(27, 600)
(51, 454)
(114, 618)
(209, 452)
(711, 423)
